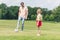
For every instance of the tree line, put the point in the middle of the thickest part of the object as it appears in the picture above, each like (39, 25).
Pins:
(11, 12)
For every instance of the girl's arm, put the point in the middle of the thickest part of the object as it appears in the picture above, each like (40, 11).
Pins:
(41, 18)
(36, 18)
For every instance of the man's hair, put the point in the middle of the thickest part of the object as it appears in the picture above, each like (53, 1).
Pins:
(22, 3)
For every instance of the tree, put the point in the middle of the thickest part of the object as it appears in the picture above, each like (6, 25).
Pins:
(56, 13)
(12, 12)
(45, 13)
(3, 8)
(0, 13)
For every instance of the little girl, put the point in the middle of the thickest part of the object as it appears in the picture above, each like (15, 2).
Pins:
(39, 20)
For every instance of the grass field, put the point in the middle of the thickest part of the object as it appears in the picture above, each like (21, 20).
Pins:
(49, 31)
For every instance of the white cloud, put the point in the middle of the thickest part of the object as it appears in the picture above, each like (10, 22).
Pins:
(0, 1)
(50, 4)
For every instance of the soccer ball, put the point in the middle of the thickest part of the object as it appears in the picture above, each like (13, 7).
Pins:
(16, 30)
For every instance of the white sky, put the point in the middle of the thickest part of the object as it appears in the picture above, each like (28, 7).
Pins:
(50, 4)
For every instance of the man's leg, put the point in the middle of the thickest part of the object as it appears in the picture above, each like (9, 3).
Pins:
(22, 24)
(18, 23)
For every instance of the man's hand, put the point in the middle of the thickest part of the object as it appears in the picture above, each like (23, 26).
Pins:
(25, 16)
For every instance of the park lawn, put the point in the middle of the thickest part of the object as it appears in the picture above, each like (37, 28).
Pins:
(49, 31)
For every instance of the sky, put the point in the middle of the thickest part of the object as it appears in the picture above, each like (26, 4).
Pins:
(50, 4)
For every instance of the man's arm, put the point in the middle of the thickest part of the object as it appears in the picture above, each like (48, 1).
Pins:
(26, 13)
(19, 12)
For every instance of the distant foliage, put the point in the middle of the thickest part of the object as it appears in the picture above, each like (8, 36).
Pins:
(12, 13)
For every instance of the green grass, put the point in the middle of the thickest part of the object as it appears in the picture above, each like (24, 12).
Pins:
(49, 31)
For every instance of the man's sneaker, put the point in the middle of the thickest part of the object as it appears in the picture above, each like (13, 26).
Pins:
(38, 34)
(16, 30)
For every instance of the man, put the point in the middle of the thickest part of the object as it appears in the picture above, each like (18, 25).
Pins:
(22, 15)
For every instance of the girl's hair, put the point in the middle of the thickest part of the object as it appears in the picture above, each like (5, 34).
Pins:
(39, 10)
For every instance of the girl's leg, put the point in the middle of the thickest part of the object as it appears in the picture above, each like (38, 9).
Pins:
(38, 30)
(38, 33)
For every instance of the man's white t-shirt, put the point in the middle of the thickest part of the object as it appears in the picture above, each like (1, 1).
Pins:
(23, 11)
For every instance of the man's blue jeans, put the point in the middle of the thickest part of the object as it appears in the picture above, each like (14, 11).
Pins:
(19, 19)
